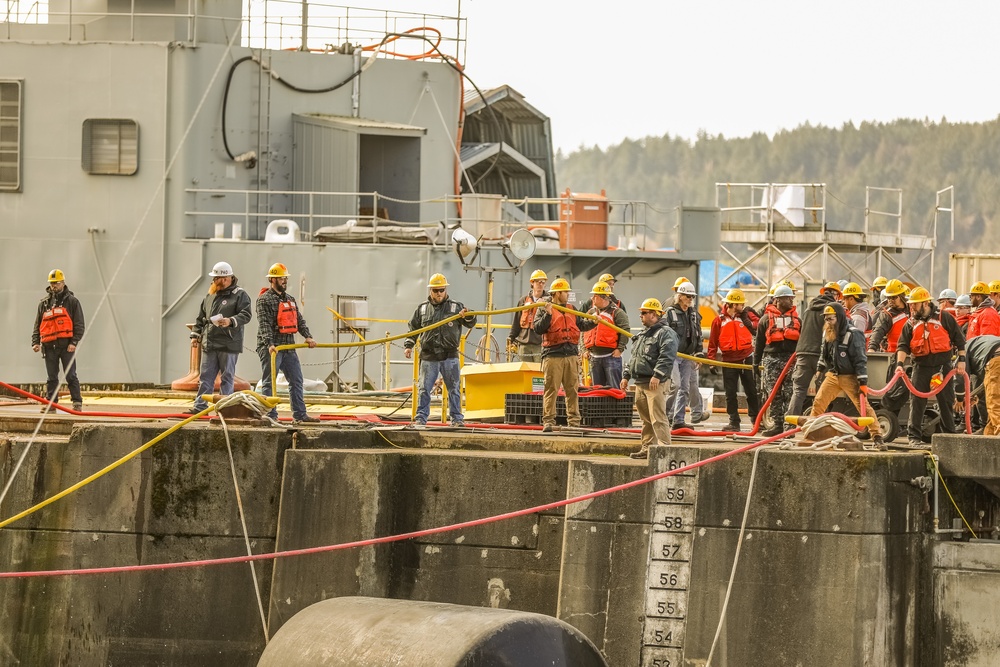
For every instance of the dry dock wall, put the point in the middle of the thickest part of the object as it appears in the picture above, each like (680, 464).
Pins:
(832, 566)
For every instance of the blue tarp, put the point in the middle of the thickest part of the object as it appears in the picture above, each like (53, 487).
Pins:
(706, 278)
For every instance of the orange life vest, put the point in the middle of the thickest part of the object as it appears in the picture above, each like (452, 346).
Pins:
(288, 317)
(929, 337)
(782, 326)
(528, 316)
(602, 335)
(897, 328)
(734, 336)
(56, 323)
(562, 329)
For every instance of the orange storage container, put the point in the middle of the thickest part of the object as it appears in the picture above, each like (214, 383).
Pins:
(583, 221)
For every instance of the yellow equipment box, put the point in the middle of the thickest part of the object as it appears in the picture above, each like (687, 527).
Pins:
(487, 384)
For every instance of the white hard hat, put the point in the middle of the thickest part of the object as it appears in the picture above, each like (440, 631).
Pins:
(686, 288)
(948, 293)
(964, 300)
(222, 269)
(783, 290)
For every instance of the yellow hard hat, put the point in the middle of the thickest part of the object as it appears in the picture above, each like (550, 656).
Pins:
(895, 287)
(770, 292)
(735, 296)
(679, 282)
(538, 274)
(437, 280)
(880, 282)
(559, 285)
(56, 276)
(829, 310)
(606, 278)
(995, 286)
(980, 288)
(787, 283)
(831, 286)
(853, 289)
(277, 271)
(652, 304)
(601, 288)
(919, 295)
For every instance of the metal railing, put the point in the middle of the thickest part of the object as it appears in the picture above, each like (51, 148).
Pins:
(753, 205)
(370, 217)
(273, 24)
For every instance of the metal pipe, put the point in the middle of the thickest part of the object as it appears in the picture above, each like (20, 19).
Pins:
(356, 88)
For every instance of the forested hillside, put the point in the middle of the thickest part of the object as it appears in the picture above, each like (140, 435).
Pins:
(920, 157)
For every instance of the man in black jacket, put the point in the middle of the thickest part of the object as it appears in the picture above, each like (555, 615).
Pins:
(844, 362)
(807, 350)
(218, 330)
(59, 326)
(439, 349)
(932, 338)
(654, 350)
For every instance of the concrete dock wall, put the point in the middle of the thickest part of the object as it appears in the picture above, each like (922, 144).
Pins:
(835, 567)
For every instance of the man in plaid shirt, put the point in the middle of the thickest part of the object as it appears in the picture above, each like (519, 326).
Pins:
(278, 320)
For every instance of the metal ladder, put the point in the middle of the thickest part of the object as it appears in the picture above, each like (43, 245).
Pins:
(668, 570)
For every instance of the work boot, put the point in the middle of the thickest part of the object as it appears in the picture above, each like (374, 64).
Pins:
(678, 425)
(703, 417)
(915, 442)
(643, 453)
(733, 426)
(306, 419)
(879, 444)
(78, 407)
(458, 423)
(773, 431)
(48, 408)
(548, 428)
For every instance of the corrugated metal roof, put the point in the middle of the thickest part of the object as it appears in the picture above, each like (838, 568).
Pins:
(506, 99)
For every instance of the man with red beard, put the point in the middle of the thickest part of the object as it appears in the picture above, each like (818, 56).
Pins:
(843, 359)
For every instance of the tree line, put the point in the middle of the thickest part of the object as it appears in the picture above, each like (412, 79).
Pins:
(921, 157)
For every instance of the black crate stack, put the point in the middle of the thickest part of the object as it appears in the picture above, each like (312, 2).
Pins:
(595, 411)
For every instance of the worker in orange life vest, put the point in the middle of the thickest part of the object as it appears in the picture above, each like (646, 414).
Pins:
(932, 338)
(528, 344)
(984, 319)
(731, 338)
(278, 320)
(777, 335)
(560, 333)
(603, 345)
(59, 326)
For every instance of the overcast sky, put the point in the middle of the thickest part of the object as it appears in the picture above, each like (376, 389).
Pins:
(604, 71)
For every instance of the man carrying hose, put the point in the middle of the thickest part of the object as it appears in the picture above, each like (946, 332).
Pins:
(932, 337)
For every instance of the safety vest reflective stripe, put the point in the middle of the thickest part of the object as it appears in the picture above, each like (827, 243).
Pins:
(929, 337)
(288, 317)
(897, 328)
(734, 336)
(782, 326)
(563, 329)
(603, 335)
(56, 323)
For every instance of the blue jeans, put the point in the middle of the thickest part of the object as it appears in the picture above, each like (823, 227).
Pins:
(606, 371)
(288, 363)
(429, 371)
(213, 363)
(684, 370)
